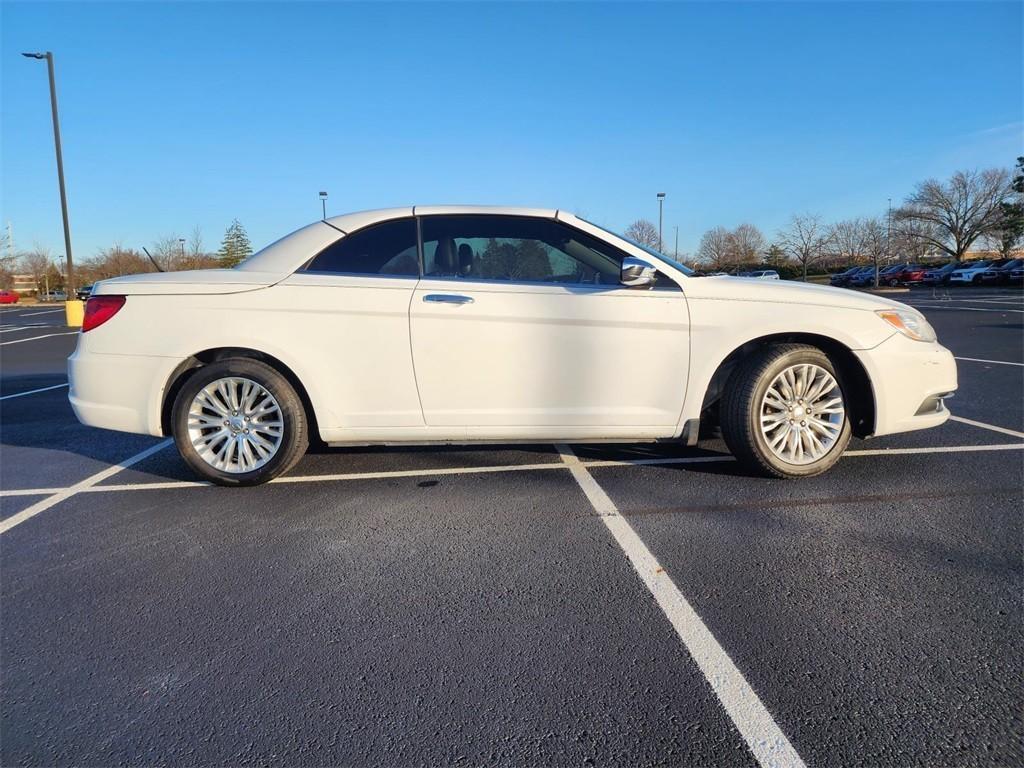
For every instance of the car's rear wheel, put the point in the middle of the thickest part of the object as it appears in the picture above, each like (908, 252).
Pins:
(784, 412)
(239, 422)
(894, 282)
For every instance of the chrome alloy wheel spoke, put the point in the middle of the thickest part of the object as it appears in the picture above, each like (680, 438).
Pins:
(802, 414)
(235, 424)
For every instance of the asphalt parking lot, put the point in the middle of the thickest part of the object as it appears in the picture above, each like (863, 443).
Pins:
(612, 605)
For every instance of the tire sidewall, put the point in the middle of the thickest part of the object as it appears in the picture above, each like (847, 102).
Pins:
(293, 416)
(786, 360)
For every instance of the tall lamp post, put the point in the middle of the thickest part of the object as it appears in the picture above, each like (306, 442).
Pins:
(661, 201)
(323, 203)
(70, 285)
(676, 257)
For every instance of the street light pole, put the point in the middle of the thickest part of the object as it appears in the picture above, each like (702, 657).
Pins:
(323, 203)
(661, 200)
(676, 257)
(70, 286)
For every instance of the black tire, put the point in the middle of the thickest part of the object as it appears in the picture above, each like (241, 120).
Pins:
(976, 280)
(894, 283)
(740, 411)
(295, 434)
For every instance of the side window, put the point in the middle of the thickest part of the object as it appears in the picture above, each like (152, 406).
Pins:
(515, 248)
(388, 248)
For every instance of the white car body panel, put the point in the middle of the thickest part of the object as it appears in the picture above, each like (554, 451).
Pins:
(523, 361)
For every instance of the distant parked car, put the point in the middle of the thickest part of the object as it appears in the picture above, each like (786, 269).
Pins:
(841, 278)
(940, 275)
(1017, 275)
(84, 292)
(764, 274)
(969, 273)
(9, 297)
(996, 274)
(886, 275)
(863, 278)
(54, 296)
(911, 274)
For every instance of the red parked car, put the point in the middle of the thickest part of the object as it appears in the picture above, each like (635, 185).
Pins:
(912, 273)
(8, 297)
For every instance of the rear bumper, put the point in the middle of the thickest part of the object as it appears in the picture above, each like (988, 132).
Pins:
(907, 378)
(120, 392)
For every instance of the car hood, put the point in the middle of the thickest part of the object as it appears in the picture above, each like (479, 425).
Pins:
(785, 292)
(191, 282)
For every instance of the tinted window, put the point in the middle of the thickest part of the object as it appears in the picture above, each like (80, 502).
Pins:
(383, 249)
(516, 248)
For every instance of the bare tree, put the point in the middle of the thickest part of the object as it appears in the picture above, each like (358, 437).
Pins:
(957, 213)
(747, 244)
(36, 263)
(643, 232)
(715, 247)
(805, 240)
(113, 262)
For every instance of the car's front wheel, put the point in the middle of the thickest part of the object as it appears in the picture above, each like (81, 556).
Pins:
(239, 422)
(784, 412)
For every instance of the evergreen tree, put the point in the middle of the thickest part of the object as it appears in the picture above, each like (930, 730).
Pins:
(235, 246)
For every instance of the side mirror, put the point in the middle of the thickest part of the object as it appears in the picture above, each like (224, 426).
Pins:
(637, 273)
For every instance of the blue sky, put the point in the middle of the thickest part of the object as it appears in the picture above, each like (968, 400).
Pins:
(183, 114)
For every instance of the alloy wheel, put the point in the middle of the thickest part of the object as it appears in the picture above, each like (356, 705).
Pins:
(235, 424)
(802, 414)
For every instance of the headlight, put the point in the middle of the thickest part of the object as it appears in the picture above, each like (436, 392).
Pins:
(910, 324)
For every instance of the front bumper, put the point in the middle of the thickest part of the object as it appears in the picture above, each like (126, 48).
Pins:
(908, 377)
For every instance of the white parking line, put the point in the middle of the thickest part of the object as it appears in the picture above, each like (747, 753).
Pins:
(67, 493)
(33, 391)
(44, 312)
(591, 464)
(995, 362)
(983, 425)
(33, 326)
(36, 338)
(758, 728)
(966, 309)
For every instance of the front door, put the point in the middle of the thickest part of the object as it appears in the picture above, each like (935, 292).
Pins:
(520, 329)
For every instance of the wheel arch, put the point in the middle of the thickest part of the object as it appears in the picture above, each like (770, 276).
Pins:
(185, 369)
(850, 369)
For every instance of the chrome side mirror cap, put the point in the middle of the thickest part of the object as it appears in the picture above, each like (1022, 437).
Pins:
(637, 273)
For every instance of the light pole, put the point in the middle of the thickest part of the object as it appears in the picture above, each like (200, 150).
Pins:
(70, 286)
(323, 203)
(661, 201)
(676, 257)
(181, 246)
(888, 235)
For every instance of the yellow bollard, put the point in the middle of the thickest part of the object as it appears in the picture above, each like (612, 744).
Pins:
(74, 311)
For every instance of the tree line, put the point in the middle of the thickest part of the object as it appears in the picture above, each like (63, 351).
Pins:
(940, 219)
(167, 254)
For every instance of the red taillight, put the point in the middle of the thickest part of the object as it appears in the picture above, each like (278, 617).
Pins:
(99, 309)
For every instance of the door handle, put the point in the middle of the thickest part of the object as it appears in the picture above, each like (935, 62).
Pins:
(447, 298)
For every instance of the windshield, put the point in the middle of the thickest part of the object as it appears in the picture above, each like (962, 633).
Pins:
(647, 249)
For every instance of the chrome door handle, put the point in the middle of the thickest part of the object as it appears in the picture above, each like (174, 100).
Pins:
(447, 298)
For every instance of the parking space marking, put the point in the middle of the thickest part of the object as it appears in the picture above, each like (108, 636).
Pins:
(759, 730)
(36, 338)
(983, 425)
(5, 328)
(590, 464)
(66, 493)
(994, 362)
(967, 309)
(44, 312)
(34, 391)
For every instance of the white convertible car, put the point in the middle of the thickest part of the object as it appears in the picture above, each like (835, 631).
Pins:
(457, 324)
